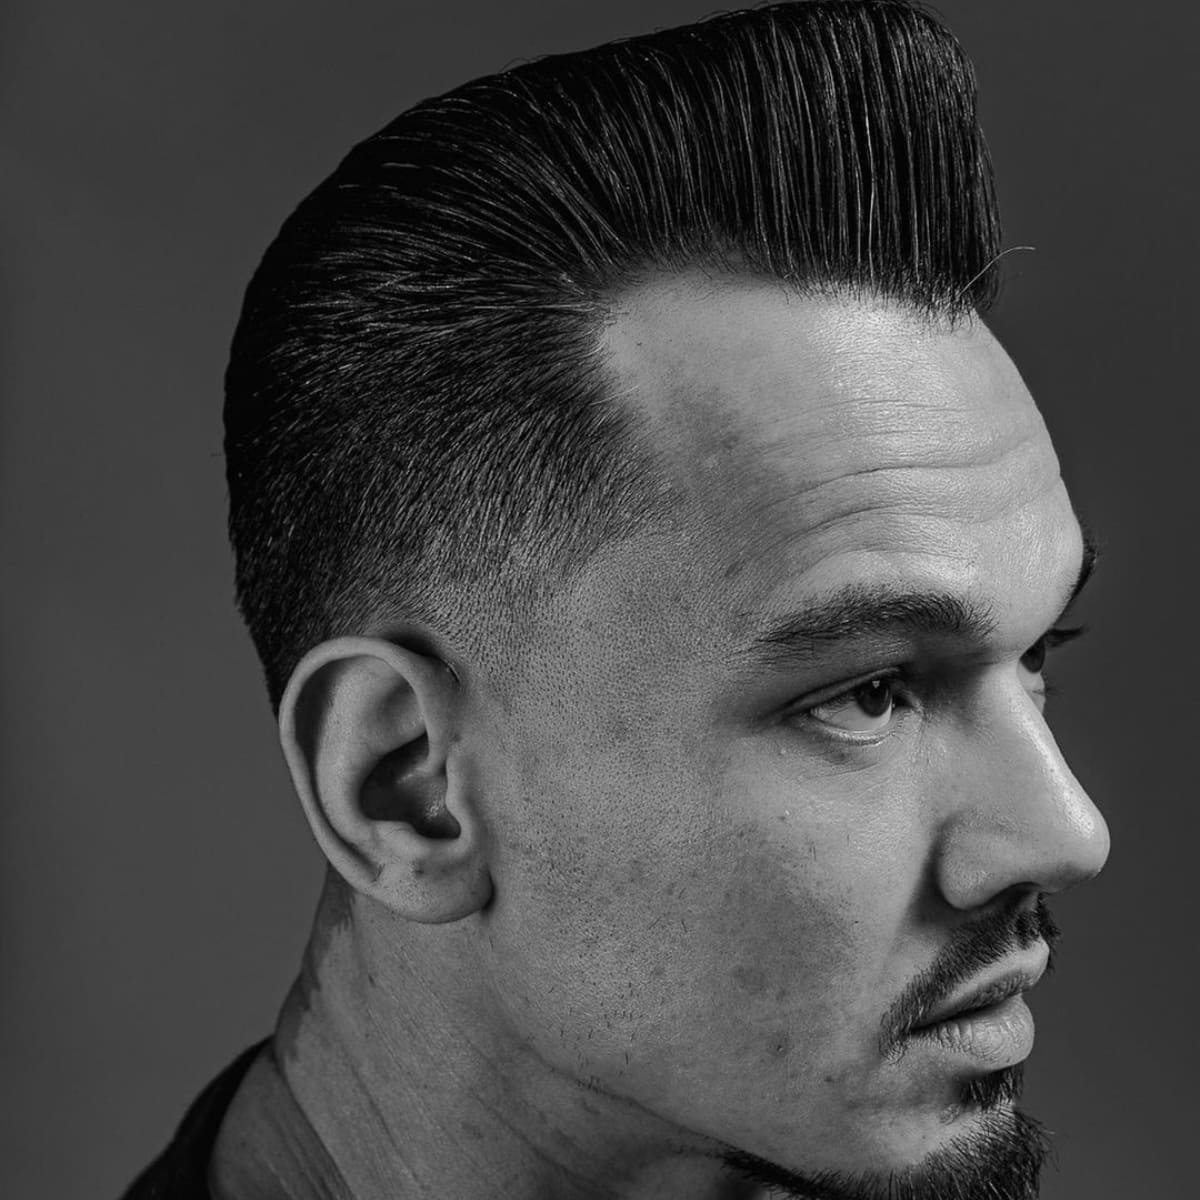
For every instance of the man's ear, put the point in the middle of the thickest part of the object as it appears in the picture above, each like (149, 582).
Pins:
(370, 732)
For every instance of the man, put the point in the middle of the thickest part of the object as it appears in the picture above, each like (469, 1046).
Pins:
(654, 559)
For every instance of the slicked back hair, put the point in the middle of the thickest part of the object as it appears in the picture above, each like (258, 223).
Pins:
(418, 424)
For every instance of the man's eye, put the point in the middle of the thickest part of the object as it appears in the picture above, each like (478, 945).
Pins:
(1034, 659)
(865, 708)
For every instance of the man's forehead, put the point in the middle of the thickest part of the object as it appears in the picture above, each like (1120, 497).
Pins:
(764, 404)
(808, 437)
(719, 359)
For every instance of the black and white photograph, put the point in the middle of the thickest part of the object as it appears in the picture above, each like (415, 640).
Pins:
(597, 600)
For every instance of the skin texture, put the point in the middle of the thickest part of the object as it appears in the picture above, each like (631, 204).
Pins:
(683, 894)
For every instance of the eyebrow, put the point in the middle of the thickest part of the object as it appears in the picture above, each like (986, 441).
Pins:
(862, 610)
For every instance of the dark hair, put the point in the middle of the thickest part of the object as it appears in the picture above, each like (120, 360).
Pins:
(417, 421)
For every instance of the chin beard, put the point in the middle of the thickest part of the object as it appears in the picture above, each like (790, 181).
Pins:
(1001, 1158)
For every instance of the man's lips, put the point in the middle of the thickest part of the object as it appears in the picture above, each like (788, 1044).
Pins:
(986, 1021)
(999, 986)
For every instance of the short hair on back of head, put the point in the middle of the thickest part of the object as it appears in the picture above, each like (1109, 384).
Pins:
(418, 424)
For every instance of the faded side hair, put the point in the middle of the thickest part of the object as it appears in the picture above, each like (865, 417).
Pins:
(417, 425)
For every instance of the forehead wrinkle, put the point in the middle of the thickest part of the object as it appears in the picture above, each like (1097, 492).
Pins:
(890, 506)
(727, 465)
(893, 511)
(867, 438)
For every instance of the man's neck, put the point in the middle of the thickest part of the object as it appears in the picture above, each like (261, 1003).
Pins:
(377, 1090)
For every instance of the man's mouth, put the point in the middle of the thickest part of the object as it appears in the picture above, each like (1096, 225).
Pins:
(990, 1022)
(986, 995)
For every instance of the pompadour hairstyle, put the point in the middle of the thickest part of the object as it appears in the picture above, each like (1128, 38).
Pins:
(418, 424)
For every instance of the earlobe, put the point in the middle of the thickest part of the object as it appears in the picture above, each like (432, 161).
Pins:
(370, 731)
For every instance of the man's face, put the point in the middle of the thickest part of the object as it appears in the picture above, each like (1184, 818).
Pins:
(759, 771)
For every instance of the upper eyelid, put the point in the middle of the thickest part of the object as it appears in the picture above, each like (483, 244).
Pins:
(843, 689)
(1060, 635)
(1057, 635)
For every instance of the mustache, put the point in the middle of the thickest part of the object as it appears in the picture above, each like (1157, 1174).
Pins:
(974, 947)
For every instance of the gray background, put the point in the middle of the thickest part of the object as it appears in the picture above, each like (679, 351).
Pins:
(157, 880)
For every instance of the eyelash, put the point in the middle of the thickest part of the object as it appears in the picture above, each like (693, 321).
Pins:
(1060, 635)
(1050, 640)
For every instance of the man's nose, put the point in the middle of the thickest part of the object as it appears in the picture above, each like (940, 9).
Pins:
(1014, 815)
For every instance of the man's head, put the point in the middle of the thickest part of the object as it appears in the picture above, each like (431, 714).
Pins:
(419, 420)
(653, 557)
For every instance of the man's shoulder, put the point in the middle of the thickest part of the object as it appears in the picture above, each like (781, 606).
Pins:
(180, 1172)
